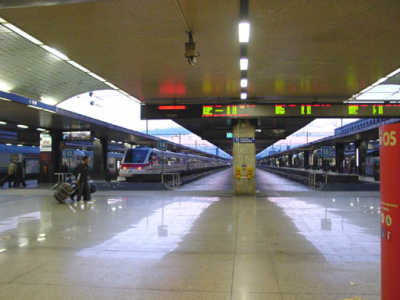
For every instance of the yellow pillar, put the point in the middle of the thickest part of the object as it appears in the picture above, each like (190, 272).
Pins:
(244, 158)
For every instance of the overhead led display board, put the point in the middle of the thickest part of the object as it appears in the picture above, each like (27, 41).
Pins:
(319, 110)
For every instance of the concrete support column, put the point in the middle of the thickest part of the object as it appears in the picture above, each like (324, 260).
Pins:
(99, 158)
(104, 144)
(244, 158)
(306, 163)
(56, 154)
(339, 157)
(290, 160)
(361, 148)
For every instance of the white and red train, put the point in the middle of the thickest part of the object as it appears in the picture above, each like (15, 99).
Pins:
(145, 163)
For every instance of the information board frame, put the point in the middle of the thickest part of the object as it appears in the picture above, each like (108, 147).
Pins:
(274, 110)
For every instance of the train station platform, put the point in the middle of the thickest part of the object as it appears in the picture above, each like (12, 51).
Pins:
(287, 242)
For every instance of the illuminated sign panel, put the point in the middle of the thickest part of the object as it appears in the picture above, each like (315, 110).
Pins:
(319, 110)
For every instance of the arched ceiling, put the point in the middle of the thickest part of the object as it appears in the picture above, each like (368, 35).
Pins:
(31, 71)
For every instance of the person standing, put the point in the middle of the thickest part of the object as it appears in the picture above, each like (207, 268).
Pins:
(19, 174)
(82, 173)
(11, 174)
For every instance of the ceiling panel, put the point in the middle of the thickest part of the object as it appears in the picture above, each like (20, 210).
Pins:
(31, 71)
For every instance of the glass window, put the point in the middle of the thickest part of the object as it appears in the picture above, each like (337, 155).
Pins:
(136, 156)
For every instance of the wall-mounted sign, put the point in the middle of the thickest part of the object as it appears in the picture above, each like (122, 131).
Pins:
(277, 110)
(162, 145)
(77, 136)
(45, 142)
(245, 140)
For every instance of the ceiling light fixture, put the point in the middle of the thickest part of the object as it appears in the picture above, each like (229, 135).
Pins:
(78, 66)
(23, 34)
(244, 32)
(394, 73)
(22, 126)
(111, 85)
(2, 21)
(41, 129)
(244, 64)
(5, 87)
(243, 96)
(3, 123)
(39, 108)
(243, 83)
(97, 77)
(55, 52)
(48, 100)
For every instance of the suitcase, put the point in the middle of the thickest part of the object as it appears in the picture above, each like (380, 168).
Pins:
(63, 191)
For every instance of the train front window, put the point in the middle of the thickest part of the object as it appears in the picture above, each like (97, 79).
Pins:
(136, 156)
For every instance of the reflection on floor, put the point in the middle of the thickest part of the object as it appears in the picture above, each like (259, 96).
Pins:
(198, 242)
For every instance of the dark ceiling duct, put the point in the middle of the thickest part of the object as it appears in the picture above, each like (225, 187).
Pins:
(32, 3)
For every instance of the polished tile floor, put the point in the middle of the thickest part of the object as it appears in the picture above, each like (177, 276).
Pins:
(199, 242)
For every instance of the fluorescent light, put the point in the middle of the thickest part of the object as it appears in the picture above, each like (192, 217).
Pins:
(78, 66)
(48, 100)
(41, 129)
(4, 99)
(8, 144)
(55, 52)
(394, 73)
(97, 77)
(2, 21)
(22, 126)
(243, 96)
(111, 85)
(3, 250)
(22, 33)
(244, 32)
(244, 64)
(258, 130)
(380, 81)
(129, 96)
(39, 108)
(3, 123)
(364, 101)
(243, 83)
(5, 87)
(48, 110)
(19, 145)
(112, 141)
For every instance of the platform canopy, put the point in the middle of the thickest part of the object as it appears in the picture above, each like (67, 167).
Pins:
(299, 51)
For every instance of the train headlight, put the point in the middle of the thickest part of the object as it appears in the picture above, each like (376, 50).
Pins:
(124, 168)
(139, 168)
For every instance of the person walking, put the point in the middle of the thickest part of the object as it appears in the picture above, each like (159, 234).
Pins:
(82, 173)
(11, 174)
